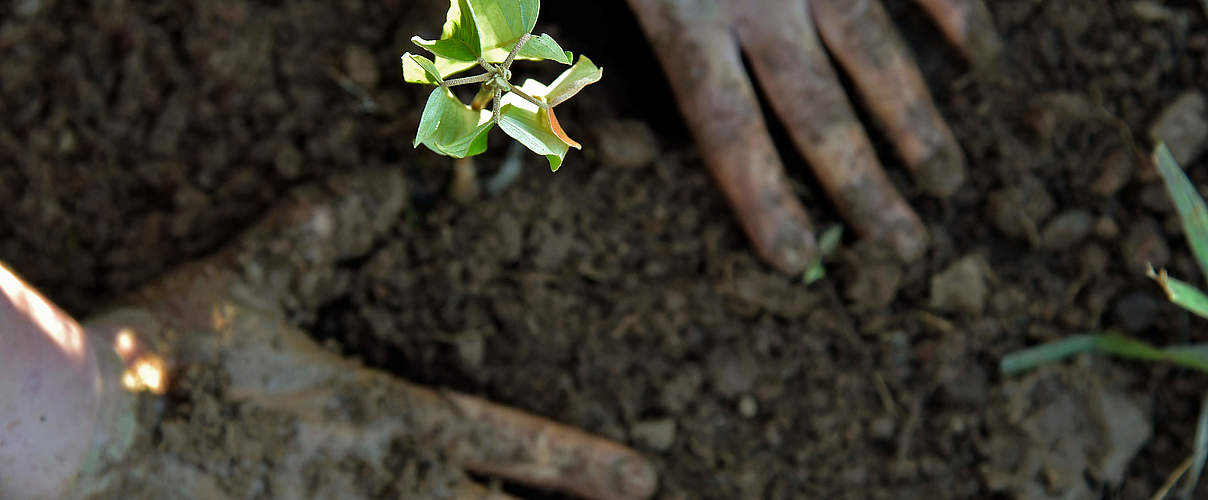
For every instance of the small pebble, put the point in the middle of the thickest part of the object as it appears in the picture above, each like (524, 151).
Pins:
(732, 371)
(883, 428)
(1114, 173)
(1017, 211)
(657, 434)
(961, 287)
(1184, 127)
(471, 348)
(1067, 229)
(682, 388)
(1106, 228)
(747, 406)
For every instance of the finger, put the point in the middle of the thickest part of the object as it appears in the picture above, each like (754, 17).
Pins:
(470, 490)
(333, 407)
(861, 36)
(804, 91)
(702, 63)
(968, 24)
(529, 449)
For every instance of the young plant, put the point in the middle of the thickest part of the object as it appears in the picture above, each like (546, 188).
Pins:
(1194, 215)
(492, 34)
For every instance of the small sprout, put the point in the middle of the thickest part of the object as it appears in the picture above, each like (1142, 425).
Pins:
(492, 34)
(828, 244)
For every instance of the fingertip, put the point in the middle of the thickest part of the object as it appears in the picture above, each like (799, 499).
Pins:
(982, 46)
(636, 477)
(792, 247)
(943, 172)
(969, 25)
(908, 237)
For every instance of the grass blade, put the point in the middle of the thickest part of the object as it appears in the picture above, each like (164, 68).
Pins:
(1192, 211)
(1200, 454)
(1189, 356)
(1052, 352)
(1182, 293)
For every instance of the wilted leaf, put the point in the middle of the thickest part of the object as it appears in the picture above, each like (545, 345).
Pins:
(451, 128)
(556, 128)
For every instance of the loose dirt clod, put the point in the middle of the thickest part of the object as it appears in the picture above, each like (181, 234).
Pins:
(1067, 229)
(1019, 210)
(1062, 433)
(657, 435)
(961, 287)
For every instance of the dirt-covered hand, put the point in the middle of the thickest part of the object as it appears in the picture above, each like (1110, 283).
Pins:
(786, 42)
(255, 408)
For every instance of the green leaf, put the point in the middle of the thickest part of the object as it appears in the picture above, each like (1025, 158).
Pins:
(1192, 211)
(1182, 293)
(501, 24)
(528, 124)
(459, 41)
(451, 128)
(420, 69)
(571, 81)
(544, 48)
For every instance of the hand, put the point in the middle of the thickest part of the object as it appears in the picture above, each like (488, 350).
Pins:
(255, 407)
(698, 43)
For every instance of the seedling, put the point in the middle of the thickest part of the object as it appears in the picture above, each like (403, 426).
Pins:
(493, 34)
(1194, 215)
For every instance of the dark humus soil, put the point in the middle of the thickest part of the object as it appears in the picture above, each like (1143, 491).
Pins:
(624, 300)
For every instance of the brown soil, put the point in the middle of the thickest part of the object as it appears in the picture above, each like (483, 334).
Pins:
(625, 301)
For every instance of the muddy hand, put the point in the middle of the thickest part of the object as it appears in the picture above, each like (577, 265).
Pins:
(332, 428)
(786, 42)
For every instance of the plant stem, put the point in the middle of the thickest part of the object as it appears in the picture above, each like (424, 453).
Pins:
(507, 62)
(540, 104)
(453, 82)
(491, 68)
